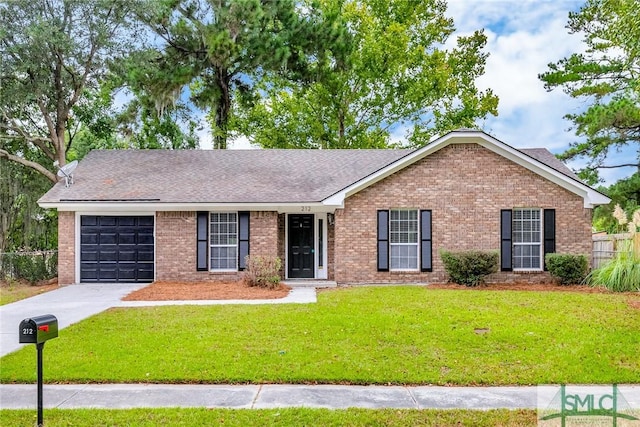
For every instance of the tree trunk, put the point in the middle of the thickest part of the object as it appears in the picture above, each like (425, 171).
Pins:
(222, 109)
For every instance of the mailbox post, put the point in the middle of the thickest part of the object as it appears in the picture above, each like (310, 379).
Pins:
(38, 330)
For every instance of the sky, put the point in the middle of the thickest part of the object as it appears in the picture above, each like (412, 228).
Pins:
(524, 36)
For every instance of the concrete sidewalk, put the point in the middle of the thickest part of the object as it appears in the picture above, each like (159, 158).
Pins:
(121, 396)
(124, 396)
(73, 303)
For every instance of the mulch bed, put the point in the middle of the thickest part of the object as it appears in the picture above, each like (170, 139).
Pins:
(168, 291)
(537, 287)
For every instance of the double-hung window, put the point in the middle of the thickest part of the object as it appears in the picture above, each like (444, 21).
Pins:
(403, 239)
(223, 241)
(527, 239)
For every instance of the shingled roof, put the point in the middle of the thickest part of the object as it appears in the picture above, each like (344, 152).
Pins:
(221, 176)
(545, 156)
(241, 176)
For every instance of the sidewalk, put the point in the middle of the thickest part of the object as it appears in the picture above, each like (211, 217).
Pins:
(125, 396)
(122, 396)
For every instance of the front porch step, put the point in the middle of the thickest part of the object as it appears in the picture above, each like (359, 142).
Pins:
(310, 283)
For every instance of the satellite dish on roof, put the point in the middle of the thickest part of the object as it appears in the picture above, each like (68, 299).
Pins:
(66, 171)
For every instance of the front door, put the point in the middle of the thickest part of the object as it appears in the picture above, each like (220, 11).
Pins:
(300, 259)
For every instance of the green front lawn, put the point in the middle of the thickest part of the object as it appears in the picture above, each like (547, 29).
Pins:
(366, 335)
(273, 417)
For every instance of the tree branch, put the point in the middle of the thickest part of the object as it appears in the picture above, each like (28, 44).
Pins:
(635, 165)
(33, 165)
(40, 142)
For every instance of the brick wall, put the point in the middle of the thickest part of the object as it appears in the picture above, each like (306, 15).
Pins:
(66, 248)
(176, 245)
(465, 186)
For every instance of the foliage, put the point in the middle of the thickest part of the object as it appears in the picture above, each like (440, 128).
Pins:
(285, 417)
(605, 75)
(622, 272)
(263, 271)
(569, 269)
(216, 48)
(469, 268)
(30, 266)
(390, 70)
(52, 54)
(358, 335)
(23, 224)
(624, 193)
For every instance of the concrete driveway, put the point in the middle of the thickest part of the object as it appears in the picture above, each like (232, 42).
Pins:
(70, 304)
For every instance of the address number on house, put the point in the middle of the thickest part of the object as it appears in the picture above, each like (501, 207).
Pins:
(305, 209)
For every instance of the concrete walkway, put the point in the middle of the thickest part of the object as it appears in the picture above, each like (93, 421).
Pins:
(124, 396)
(73, 303)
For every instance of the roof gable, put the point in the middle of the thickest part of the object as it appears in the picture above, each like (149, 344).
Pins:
(539, 161)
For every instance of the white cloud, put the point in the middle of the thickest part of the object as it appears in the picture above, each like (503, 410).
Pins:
(523, 37)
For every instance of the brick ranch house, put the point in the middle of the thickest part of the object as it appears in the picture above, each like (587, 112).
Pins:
(350, 216)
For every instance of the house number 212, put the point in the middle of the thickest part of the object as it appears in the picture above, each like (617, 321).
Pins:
(305, 209)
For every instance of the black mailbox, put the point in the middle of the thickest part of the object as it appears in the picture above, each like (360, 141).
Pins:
(39, 329)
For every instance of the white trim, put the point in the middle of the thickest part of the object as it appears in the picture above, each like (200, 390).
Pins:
(541, 243)
(590, 196)
(416, 244)
(237, 245)
(145, 208)
(321, 273)
(76, 254)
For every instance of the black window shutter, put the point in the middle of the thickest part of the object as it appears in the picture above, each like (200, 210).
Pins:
(243, 239)
(549, 232)
(383, 240)
(426, 257)
(201, 234)
(505, 240)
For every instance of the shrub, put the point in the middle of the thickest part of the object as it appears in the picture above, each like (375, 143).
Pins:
(262, 271)
(569, 269)
(30, 266)
(469, 268)
(622, 273)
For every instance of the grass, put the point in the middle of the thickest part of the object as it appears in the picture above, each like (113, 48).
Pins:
(272, 417)
(366, 335)
(16, 291)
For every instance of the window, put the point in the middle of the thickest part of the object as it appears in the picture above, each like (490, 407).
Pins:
(224, 241)
(403, 241)
(527, 239)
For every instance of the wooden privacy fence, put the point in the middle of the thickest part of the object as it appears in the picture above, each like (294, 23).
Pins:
(606, 246)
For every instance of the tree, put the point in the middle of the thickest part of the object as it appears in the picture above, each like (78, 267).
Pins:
(23, 224)
(217, 48)
(624, 193)
(606, 75)
(53, 52)
(392, 70)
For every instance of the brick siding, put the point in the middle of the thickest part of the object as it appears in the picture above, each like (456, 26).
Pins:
(176, 245)
(66, 248)
(465, 186)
